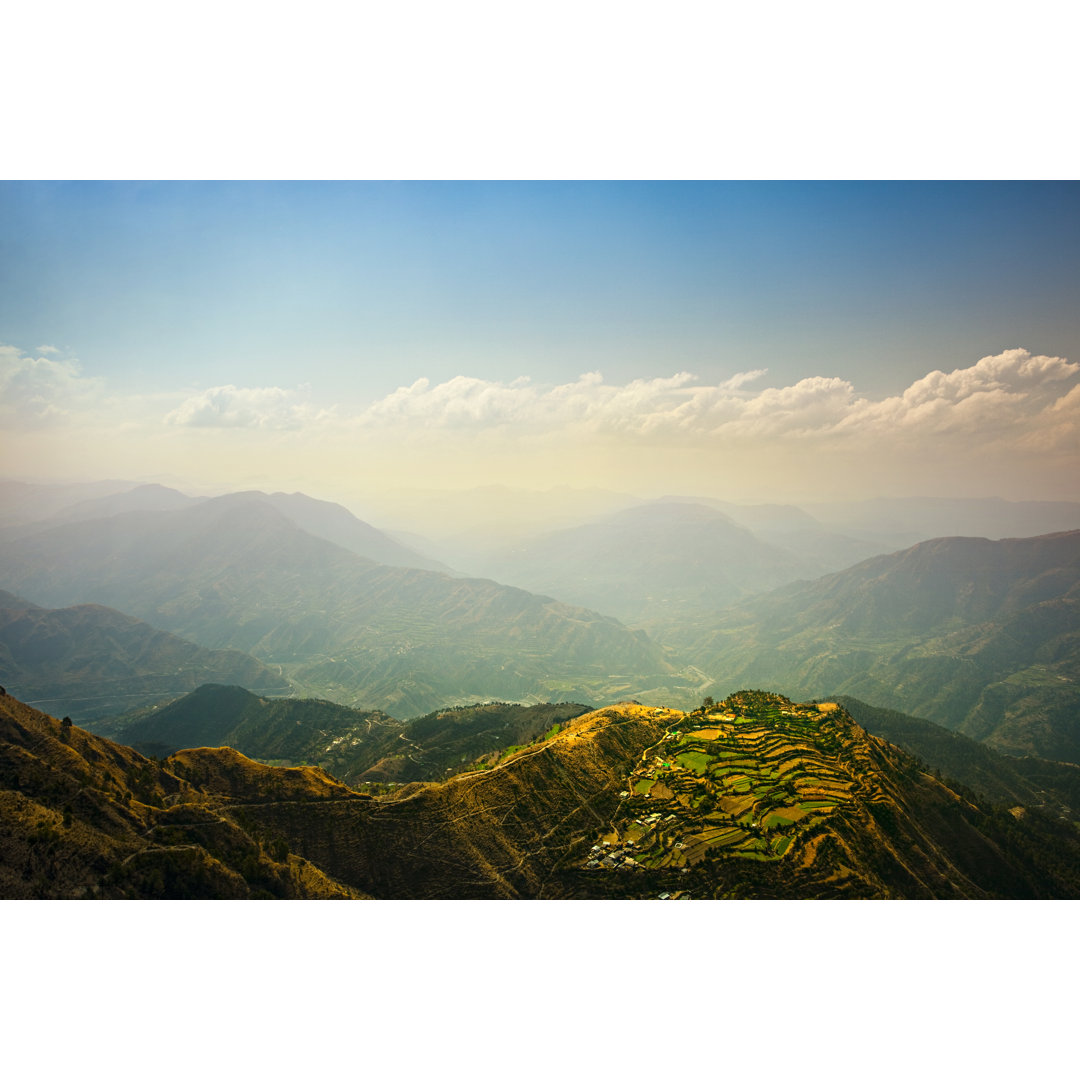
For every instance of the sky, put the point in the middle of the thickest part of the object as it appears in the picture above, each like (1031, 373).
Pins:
(757, 341)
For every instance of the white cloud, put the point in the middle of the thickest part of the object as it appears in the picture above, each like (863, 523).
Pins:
(36, 391)
(1008, 391)
(230, 406)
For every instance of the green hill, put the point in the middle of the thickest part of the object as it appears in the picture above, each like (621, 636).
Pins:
(982, 636)
(356, 746)
(89, 661)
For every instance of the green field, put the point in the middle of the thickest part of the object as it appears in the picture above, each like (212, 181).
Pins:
(762, 772)
(696, 760)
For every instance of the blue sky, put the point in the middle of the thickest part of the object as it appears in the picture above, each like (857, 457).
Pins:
(313, 301)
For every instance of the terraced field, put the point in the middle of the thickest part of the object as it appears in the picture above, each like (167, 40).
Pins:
(745, 779)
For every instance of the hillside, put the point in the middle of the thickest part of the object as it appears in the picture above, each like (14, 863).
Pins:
(982, 636)
(754, 797)
(355, 746)
(84, 818)
(1051, 786)
(330, 521)
(235, 573)
(285, 731)
(91, 661)
(452, 740)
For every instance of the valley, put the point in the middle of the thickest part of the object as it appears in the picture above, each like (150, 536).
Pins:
(360, 719)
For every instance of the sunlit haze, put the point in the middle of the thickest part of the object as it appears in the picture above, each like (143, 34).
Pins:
(754, 342)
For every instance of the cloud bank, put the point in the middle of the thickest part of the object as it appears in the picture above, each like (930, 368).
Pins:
(1007, 424)
(1009, 391)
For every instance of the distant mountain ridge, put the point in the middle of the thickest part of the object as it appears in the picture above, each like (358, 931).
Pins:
(650, 563)
(90, 661)
(901, 522)
(326, 520)
(235, 572)
(21, 502)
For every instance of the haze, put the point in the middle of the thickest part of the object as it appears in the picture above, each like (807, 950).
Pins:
(747, 341)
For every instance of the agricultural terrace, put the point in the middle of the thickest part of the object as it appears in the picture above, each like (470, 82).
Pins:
(745, 778)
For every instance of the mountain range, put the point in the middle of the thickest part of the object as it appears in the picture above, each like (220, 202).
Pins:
(651, 565)
(976, 634)
(755, 796)
(235, 572)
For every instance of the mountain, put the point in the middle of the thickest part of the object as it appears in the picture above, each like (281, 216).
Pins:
(279, 730)
(486, 516)
(323, 519)
(1050, 786)
(982, 636)
(355, 746)
(234, 572)
(654, 564)
(89, 661)
(145, 497)
(81, 817)
(332, 522)
(755, 797)
(469, 736)
(816, 548)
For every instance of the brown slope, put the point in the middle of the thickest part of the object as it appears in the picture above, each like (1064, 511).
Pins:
(496, 834)
(81, 817)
